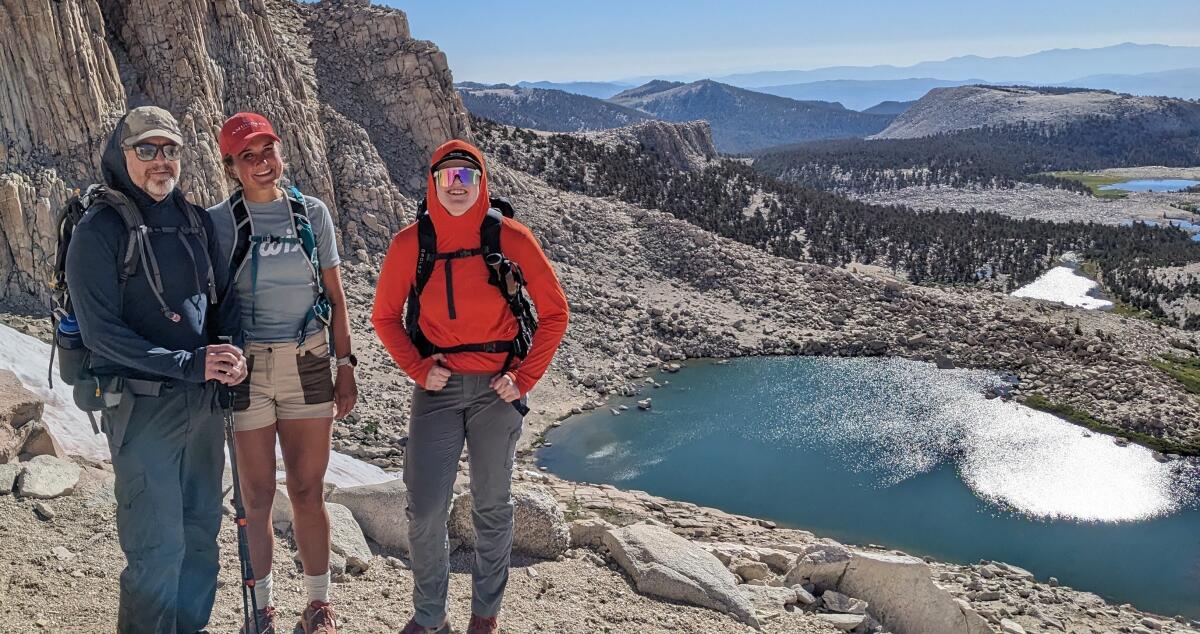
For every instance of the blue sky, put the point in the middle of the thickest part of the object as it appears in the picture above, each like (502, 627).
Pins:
(570, 40)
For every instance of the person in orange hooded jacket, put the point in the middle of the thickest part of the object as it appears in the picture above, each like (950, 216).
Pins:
(463, 396)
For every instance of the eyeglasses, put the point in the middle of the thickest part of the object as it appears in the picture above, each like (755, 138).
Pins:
(148, 151)
(466, 175)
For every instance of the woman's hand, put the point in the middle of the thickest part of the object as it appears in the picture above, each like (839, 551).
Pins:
(506, 387)
(345, 391)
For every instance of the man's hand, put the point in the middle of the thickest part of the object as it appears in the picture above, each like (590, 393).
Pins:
(438, 376)
(345, 391)
(506, 387)
(224, 362)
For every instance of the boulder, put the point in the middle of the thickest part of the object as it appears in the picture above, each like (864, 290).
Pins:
(346, 538)
(666, 565)
(843, 622)
(41, 442)
(588, 533)
(820, 564)
(904, 598)
(539, 528)
(281, 509)
(47, 477)
(769, 598)
(8, 477)
(18, 406)
(750, 570)
(380, 510)
(1008, 626)
(835, 601)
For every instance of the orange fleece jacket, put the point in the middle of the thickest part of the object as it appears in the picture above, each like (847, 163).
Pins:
(481, 312)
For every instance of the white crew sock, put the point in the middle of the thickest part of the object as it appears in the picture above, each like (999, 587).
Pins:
(264, 591)
(317, 587)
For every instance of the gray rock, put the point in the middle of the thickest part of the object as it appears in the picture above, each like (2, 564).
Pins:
(8, 477)
(902, 594)
(768, 598)
(380, 512)
(588, 533)
(43, 510)
(539, 528)
(821, 564)
(47, 477)
(1008, 626)
(750, 570)
(666, 565)
(281, 509)
(843, 622)
(346, 538)
(835, 601)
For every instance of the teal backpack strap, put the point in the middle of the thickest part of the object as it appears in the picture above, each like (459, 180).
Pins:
(322, 309)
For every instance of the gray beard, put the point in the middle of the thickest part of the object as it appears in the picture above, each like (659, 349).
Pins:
(158, 188)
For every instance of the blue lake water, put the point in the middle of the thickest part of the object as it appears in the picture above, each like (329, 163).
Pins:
(1153, 185)
(898, 453)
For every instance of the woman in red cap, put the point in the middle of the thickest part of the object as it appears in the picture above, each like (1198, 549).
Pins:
(282, 256)
(467, 346)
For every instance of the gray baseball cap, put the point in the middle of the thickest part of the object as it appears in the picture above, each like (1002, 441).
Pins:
(145, 122)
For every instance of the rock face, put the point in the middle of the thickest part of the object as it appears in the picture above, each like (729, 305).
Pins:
(74, 66)
(687, 145)
(539, 529)
(666, 565)
(379, 511)
(949, 109)
(47, 477)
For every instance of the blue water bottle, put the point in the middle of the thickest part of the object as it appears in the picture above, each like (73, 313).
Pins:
(72, 355)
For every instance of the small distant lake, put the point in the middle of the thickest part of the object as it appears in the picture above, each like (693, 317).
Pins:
(899, 453)
(1153, 185)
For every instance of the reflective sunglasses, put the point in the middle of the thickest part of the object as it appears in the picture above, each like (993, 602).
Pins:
(466, 175)
(148, 151)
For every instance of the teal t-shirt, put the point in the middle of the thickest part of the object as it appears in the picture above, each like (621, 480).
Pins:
(274, 310)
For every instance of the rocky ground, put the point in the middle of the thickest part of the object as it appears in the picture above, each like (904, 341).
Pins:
(1027, 200)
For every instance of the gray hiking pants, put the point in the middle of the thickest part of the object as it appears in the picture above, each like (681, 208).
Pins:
(465, 410)
(168, 457)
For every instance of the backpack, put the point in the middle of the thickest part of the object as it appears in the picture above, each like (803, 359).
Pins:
(246, 247)
(503, 273)
(74, 357)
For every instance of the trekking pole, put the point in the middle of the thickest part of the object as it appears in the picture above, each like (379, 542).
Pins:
(249, 602)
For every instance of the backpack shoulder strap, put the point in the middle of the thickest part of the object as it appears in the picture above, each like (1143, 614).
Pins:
(489, 231)
(133, 221)
(426, 248)
(243, 228)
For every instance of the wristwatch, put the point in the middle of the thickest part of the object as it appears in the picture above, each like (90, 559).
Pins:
(349, 360)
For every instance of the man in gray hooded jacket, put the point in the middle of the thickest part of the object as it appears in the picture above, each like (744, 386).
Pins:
(156, 331)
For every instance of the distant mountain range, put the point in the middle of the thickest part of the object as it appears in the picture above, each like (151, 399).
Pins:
(597, 89)
(744, 120)
(859, 94)
(1139, 69)
(549, 110)
(1042, 68)
(741, 120)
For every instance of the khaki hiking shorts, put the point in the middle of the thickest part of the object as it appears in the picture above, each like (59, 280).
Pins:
(286, 381)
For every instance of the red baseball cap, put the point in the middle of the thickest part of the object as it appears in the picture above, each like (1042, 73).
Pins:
(242, 128)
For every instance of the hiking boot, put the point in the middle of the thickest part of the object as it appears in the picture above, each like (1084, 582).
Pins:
(318, 618)
(483, 625)
(265, 618)
(416, 628)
